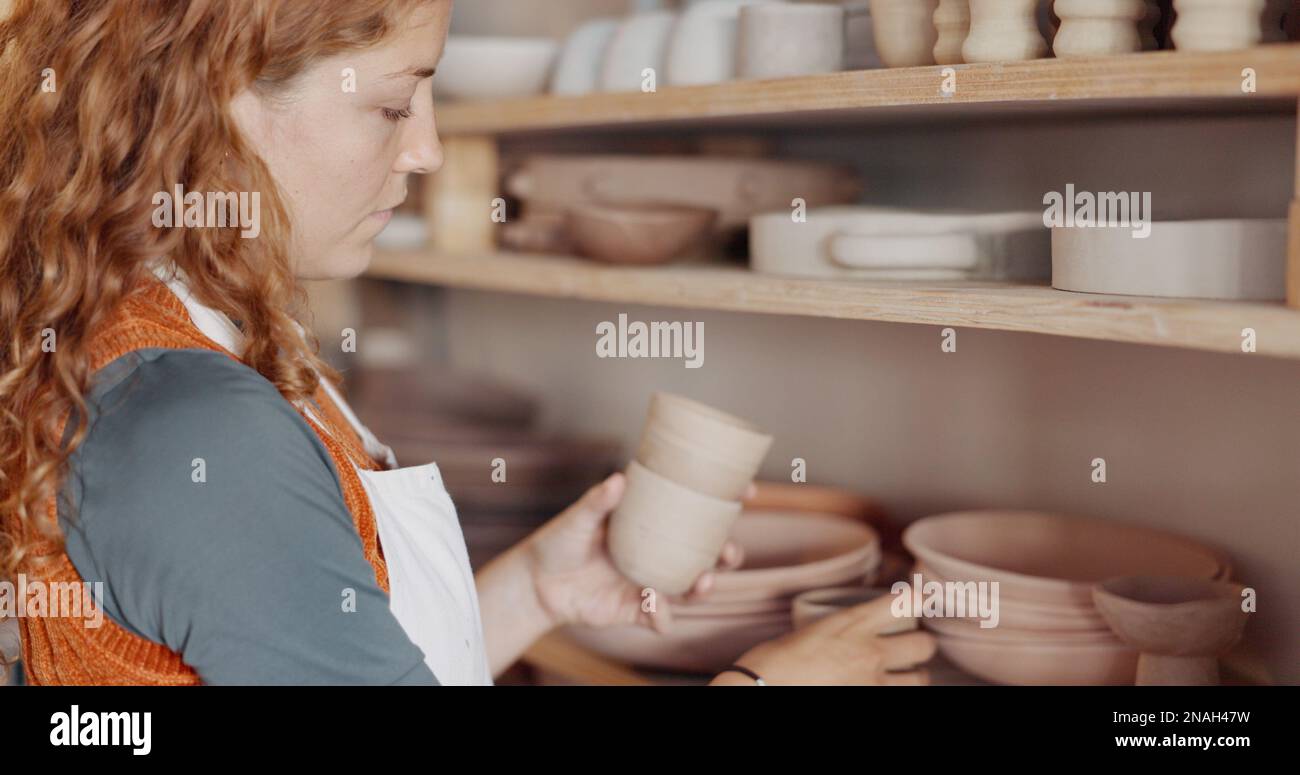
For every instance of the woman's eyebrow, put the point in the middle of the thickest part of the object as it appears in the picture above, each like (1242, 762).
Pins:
(416, 72)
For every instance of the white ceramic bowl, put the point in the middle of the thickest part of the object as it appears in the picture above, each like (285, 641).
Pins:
(490, 68)
(1046, 664)
(579, 67)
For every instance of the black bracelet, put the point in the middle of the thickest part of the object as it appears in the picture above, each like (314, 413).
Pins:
(758, 679)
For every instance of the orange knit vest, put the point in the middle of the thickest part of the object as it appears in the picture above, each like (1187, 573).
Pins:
(63, 650)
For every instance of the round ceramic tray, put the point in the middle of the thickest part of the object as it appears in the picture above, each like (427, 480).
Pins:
(1222, 259)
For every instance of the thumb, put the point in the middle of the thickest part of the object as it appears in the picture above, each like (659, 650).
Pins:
(591, 509)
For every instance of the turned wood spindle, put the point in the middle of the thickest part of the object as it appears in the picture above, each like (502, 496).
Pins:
(1098, 27)
(1217, 25)
(952, 21)
(1003, 31)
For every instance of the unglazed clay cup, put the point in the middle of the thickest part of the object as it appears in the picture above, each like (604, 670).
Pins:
(664, 535)
(817, 604)
(674, 456)
(716, 433)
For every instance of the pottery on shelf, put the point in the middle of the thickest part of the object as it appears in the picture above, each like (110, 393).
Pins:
(1227, 259)
(1098, 27)
(679, 425)
(1051, 559)
(650, 233)
(904, 31)
(1217, 25)
(952, 23)
(780, 40)
(817, 604)
(1003, 31)
(640, 43)
(1043, 664)
(488, 68)
(1182, 626)
(702, 49)
(578, 70)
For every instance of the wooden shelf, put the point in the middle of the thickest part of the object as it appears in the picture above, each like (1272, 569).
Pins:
(1161, 81)
(1201, 325)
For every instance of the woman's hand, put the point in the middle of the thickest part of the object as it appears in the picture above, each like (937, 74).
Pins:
(844, 649)
(575, 578)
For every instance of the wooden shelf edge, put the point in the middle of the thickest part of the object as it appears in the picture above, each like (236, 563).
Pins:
(1043, 82)
(1192, 324)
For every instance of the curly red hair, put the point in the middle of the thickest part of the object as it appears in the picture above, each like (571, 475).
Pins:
(107, 102)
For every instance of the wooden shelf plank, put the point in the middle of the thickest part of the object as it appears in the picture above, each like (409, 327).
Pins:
(1151, 81)
(1201, 325)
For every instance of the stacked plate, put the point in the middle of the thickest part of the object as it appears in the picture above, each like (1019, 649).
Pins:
(786, 553)
(1048, 630)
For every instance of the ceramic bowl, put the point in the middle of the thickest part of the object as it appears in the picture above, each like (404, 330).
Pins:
(791, 552)
(970, 629)
(578, 70)
(817, 604)
(640, 43)
(695, 645)
(493, 68)
(1048, 664)
(1020, 615)
(663, 535)
(1173, 616)
(781, 40)
(1048, 558)
(649, 233)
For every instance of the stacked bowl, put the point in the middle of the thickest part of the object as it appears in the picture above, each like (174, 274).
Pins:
(786, 553)
(1048, 630)
(692, 467)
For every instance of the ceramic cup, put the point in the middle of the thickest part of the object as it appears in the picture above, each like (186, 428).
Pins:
(672, 455)
(578, 70)
(640, 43)
(719, 435)
(664, 535)
(703, 45)
(780, 40)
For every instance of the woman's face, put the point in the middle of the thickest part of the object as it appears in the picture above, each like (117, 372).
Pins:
(343, 140)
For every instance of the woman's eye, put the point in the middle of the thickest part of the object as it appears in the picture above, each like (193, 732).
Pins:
(397, 115)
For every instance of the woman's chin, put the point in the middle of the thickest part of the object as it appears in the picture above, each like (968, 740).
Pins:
(341, 263)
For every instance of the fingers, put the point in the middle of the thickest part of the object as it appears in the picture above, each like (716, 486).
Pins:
(902, 652)
(861, 621)
(660, 619)
(732, 557)
(919, 677)
(596, 503)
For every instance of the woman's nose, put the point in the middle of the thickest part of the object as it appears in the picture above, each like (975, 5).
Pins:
(421, 150)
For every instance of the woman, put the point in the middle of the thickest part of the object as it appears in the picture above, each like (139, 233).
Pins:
(165, 428)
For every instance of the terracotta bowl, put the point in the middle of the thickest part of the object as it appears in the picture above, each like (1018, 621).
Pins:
(1046, 664)
(970, 629)
(1020, 615)
(720, 435)
(790, 552)
(695, 645)
(817, 604)
(1174, 617)
(638, 233)
(1048, 558)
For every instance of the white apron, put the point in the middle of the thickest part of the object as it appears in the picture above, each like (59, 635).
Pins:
(432, 592)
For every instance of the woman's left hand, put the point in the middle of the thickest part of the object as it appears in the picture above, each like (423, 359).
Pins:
(575, 578)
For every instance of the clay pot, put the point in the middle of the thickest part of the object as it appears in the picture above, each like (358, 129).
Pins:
(638, 233)
(719, 434)
(664, 535)
(699, 468)
(1099, 27)
(1181, 626)
(952, 23)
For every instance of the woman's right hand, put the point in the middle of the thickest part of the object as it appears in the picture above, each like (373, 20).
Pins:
(846, 648)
